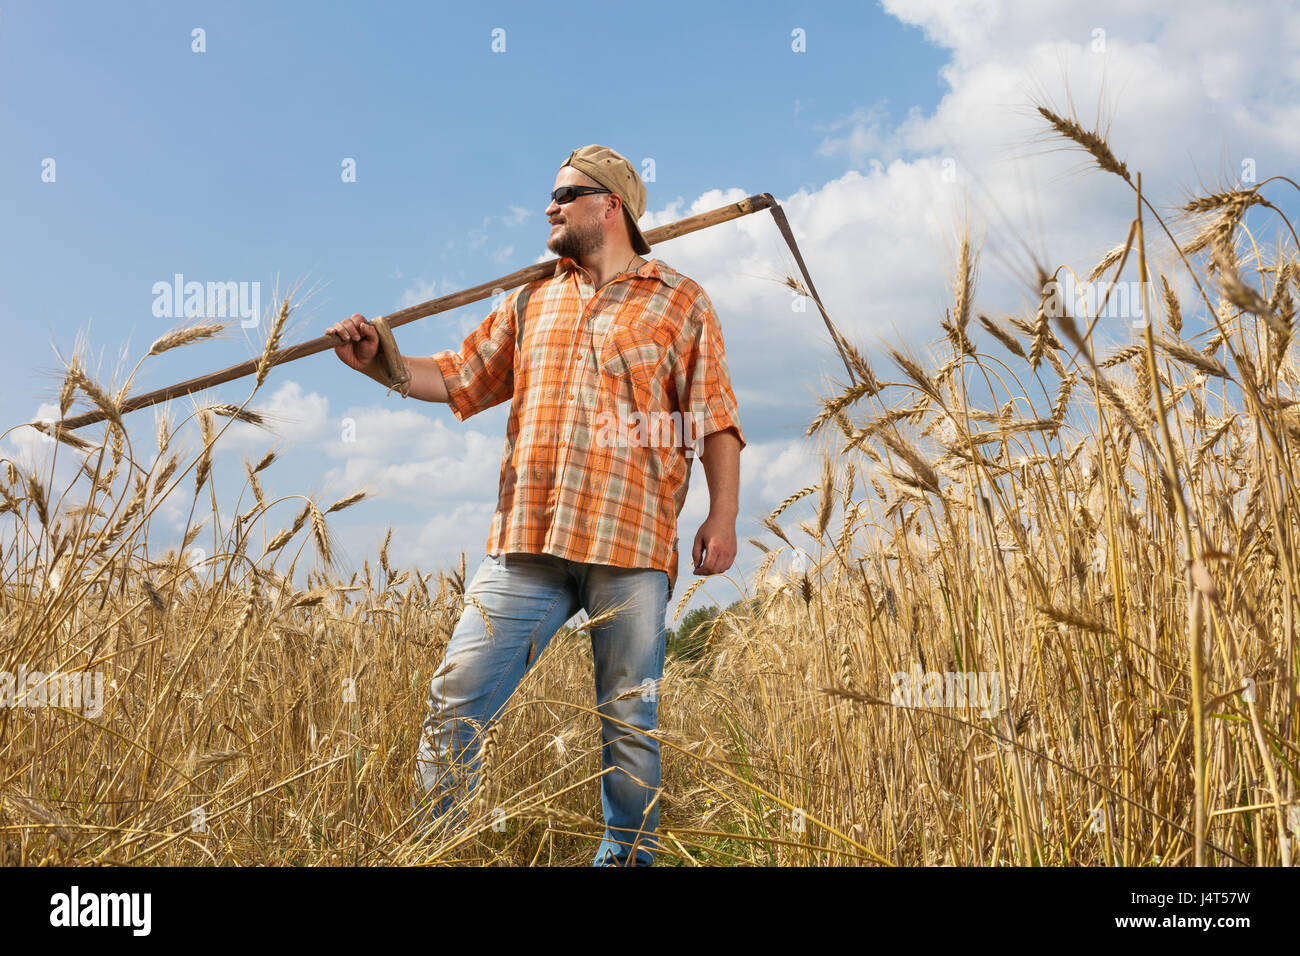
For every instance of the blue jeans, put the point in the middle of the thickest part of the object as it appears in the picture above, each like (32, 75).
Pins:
(528, 597)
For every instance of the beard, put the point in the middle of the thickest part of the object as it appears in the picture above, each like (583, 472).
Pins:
(577, 243)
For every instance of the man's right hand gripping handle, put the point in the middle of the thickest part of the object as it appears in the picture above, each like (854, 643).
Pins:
(358, 343)
(359, 348)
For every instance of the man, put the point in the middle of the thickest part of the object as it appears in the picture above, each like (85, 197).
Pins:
(615, 367)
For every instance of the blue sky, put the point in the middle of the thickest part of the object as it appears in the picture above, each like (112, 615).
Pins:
(226, 165)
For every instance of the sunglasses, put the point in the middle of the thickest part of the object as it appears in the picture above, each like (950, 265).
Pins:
(567, 194)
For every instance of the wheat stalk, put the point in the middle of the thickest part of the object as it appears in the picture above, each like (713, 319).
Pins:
(178, 337)
(1091, 142)
(264, 363)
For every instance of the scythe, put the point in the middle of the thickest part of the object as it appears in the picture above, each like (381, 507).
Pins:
(541, 270)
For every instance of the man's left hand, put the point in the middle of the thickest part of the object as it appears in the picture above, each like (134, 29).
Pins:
(715, 545)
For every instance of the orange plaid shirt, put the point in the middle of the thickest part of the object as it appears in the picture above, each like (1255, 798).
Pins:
(611, 389)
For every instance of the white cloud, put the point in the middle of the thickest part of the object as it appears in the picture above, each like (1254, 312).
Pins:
(442, 538)
(866, 136)
(292, 416)
(409, 456)
(425, 289)
(517, 216)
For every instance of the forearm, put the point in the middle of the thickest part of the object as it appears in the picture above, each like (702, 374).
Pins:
(721, 457)
(426, 383)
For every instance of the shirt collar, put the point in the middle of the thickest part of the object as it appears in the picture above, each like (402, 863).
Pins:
(651, 268)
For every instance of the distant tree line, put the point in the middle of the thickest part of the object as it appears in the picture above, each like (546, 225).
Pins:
(688, 641)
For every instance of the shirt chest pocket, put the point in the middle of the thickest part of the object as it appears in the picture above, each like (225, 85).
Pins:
(631, 352)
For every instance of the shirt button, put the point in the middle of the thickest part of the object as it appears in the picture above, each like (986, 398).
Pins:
(570, 396)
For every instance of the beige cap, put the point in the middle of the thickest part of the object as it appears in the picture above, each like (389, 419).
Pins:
(616, 174)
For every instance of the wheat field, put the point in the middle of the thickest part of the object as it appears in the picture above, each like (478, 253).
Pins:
(1112, 532)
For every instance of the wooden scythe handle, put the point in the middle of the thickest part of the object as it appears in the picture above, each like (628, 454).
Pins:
(531, 273)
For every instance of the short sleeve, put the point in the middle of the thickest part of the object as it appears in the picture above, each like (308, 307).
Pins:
(709, 396)
(481, 374)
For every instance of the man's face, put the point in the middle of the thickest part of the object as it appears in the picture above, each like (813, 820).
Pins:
(576, 227)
